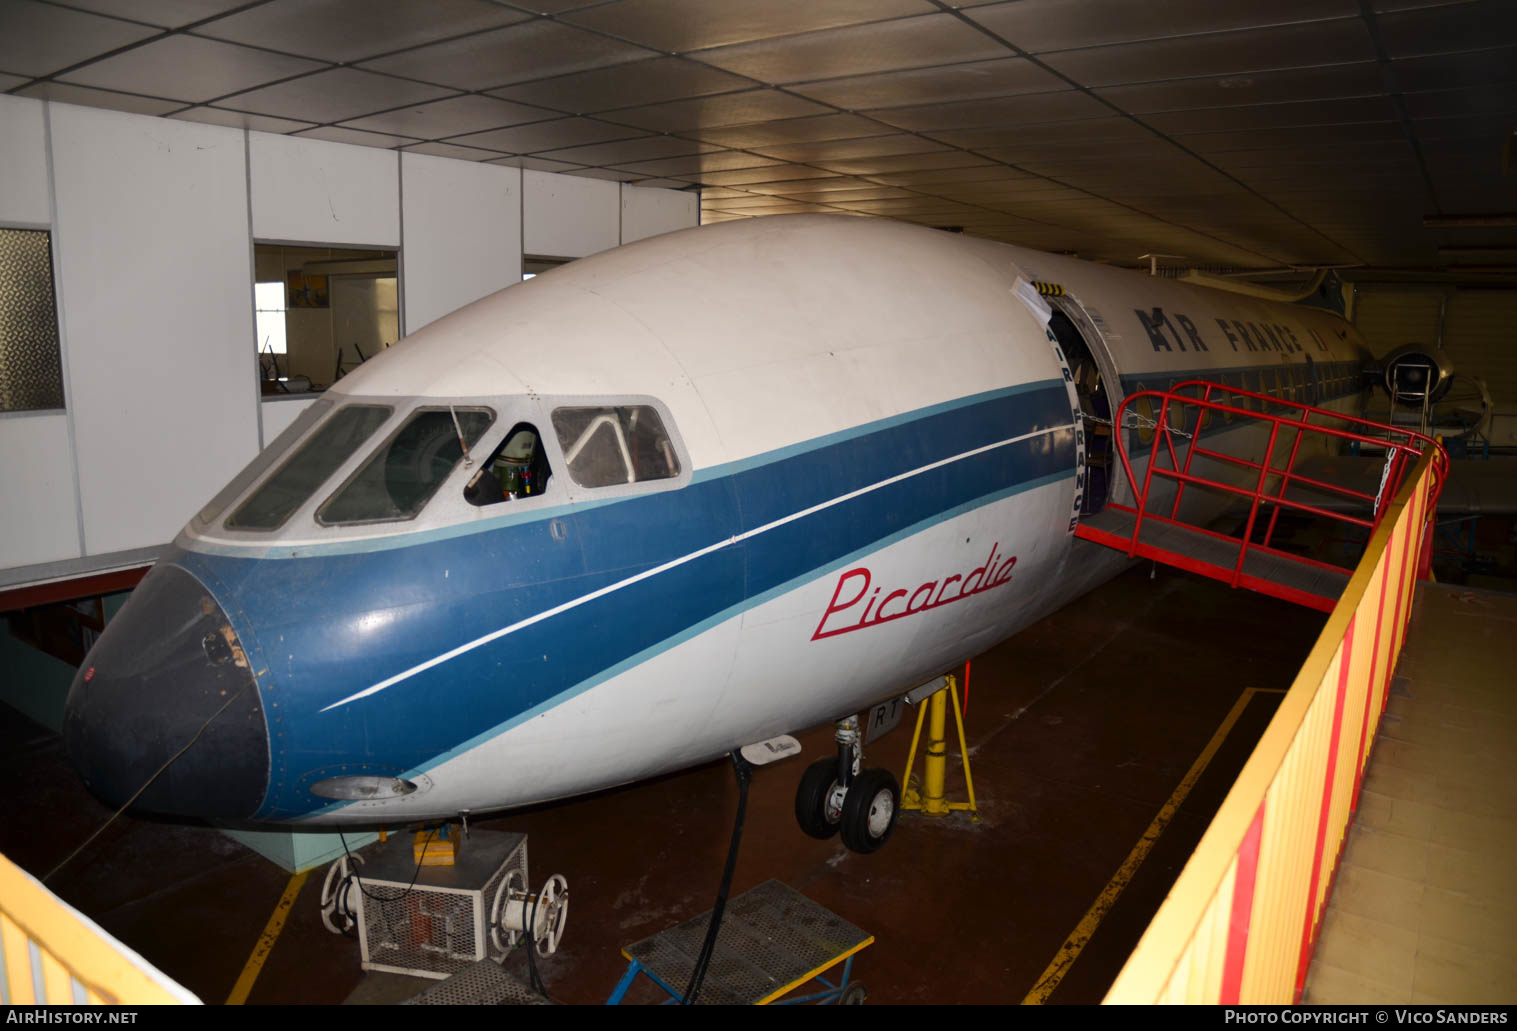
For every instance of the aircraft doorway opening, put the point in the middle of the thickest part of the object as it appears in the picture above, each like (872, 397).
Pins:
(1090, 385)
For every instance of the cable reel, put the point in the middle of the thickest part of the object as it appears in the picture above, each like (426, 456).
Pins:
(515, 907)
(337, 912)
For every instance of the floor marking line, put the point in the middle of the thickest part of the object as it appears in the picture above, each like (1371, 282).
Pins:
(265, 945)
(1070, 951)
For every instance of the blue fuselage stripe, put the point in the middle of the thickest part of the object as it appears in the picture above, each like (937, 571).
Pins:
(323, 627)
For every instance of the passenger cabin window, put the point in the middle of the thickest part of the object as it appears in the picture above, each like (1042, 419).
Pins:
(517, 469)
(401, 477)
(317, 459)
(605, 446)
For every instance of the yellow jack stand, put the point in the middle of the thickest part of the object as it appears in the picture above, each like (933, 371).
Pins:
(929, 801)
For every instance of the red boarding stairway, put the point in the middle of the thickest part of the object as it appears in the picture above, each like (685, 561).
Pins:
(1172, 449)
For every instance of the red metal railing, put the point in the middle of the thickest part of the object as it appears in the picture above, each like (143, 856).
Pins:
(1402, 448)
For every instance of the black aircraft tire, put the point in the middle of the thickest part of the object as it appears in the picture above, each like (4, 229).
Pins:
(811, 799)
(870, 810)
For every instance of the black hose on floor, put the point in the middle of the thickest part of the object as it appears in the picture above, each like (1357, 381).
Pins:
(744, 771)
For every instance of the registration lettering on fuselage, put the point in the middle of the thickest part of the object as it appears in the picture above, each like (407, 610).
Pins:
(855, 606)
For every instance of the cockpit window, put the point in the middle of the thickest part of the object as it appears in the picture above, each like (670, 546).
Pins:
(402, 475)
(309, 467)
(517, 469)
(609, 445)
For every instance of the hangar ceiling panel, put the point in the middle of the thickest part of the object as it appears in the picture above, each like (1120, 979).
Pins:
(188, 68)
(517, 53)
(241, 120)
(1223, 53)
(1450, 71)
(356, 137)
(170, 14)
(932, 39)
(454, 151)
(562, 132)
(626, 85)
(1437, 30)
(743, 108)
(333, 96)
(697, 164)
(132, 103)
(452, 117)
(684, 25)
(793, 130)
(37, 38)
(1252, 133)
(646, 148)
(351, 30)
(842, 150)
(1043, 25)
(959, 80)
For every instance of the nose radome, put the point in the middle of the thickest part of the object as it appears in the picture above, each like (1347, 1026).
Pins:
(169, 675)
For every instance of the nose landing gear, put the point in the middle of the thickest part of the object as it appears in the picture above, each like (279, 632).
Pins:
(835, 795)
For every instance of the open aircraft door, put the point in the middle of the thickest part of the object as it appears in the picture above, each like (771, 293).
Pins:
(1079, 333)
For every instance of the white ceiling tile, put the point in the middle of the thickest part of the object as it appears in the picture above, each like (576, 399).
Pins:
(517, 53)
(684, 25)
(350, 30)
(241, 120)
(40, 39)
(904, 43)
(169, 14)
(337, 134)
(64, 93)
(334, 96)
(451, 117)
(189, 68)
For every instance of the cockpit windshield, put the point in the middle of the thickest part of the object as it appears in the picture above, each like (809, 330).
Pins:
(615, 444)
(317, 459)
(402, 475)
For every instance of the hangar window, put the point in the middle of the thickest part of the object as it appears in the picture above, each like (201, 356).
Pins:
(321, 312)
(517, 469)
(407, 470)
(608, 445)
(31, 365)
(300, 477)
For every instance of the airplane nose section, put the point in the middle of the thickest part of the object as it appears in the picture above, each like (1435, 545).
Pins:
(169, 675)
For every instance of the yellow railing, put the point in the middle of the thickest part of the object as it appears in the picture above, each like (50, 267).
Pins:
(54, 955)
(1240, 922)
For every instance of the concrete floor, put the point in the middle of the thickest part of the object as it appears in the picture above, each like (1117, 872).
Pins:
(1423, 905)
(1079, 728)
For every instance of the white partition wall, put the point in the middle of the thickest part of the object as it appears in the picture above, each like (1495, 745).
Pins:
(155, 273)
(648, 213)
(312, 191)
(23, 164)
(566, 216)
(38, 507)
(279, 412)
(462, 229)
